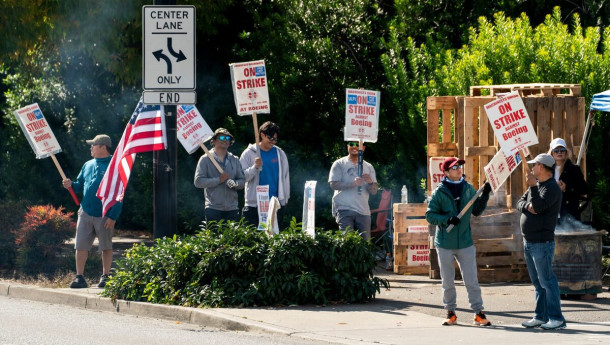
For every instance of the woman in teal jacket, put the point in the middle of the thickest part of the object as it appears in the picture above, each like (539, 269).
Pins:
(446, 202)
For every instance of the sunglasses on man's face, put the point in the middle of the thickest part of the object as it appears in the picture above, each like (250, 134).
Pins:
(271, 137)
(456, 167)
(225, 138)
(352, 144)
(561, 150)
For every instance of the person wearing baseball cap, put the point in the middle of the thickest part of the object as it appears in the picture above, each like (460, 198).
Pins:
(90, 222)
(570, 179)
(539, 208)
(220, 188)
(446, 202)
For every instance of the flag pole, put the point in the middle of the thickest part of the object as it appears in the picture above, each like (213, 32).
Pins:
(63, 176)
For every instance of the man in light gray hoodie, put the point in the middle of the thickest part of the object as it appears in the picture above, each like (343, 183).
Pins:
(270, 168)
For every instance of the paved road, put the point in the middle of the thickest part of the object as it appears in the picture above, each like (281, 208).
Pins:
(26, 322)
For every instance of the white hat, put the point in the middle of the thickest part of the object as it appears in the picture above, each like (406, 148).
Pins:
(558, 142)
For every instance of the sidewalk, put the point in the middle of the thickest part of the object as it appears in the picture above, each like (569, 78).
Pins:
(410, 312)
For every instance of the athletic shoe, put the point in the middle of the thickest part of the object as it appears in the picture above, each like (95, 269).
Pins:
(451, 319)
(534, 322)
(481, 320)
(554, 324)
(79, 282)
(103, 280)
(389, 263)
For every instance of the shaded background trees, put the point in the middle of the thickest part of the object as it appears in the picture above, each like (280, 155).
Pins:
(81, 61)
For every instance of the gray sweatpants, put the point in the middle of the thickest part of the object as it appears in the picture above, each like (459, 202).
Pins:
(466, 258)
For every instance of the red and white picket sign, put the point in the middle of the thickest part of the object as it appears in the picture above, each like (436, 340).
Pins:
(500, 167)
(41, 137)
(361, 115)
(511, 123)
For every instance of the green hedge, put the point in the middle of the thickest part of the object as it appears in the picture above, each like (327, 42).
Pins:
(229, 264)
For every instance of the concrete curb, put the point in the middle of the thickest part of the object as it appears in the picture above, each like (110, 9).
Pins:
(89, 299)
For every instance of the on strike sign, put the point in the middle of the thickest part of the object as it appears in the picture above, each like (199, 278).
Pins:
(361, 115)
(511, 123)
(37, 131)
(500, 167)
(192, 130)
(249, 80)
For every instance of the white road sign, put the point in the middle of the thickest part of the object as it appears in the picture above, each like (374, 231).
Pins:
(168, 48)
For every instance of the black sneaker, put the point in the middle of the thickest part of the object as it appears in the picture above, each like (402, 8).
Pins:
(79, 282)
(103, 280)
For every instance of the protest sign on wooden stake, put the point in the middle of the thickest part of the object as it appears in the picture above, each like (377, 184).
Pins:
(41, 137)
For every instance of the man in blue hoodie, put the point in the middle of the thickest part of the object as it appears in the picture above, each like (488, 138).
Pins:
(446, 202)
(90, 221)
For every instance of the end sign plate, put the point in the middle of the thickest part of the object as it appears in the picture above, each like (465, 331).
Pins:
(168, 47)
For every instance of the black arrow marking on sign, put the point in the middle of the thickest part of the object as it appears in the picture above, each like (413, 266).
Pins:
(180, 55)
(159, 55)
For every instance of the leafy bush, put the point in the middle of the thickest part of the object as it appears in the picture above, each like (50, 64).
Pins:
(40, 238)
(11, 216)
(230, 264)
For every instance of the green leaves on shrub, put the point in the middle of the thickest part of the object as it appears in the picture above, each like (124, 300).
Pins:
(40, 238)
(230, 264)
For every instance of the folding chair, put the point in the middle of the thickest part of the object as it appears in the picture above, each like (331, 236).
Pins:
(383, 222)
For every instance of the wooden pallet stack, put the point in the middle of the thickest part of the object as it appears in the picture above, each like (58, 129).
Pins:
(459, 127)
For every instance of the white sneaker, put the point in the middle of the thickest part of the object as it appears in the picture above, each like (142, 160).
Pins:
(554, 324)
(534, 322)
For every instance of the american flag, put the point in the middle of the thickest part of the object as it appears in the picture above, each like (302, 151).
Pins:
(145, 132)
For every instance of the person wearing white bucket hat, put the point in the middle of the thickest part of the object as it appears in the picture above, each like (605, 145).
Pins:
(569, 177)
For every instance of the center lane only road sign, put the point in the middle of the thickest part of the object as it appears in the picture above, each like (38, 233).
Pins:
(168, 54)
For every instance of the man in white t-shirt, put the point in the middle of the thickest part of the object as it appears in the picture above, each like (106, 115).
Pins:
(351, 198)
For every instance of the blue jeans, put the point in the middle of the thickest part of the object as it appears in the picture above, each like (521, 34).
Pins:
(539, 259)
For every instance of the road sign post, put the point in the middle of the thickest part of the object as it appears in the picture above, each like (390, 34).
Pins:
(168, 78)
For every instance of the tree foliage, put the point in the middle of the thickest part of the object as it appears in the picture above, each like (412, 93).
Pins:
(81, 61)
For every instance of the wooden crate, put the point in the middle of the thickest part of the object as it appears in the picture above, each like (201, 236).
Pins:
(497, 237)
(405, 216)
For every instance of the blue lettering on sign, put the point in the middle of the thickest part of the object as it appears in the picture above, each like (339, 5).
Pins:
(259, 71)
(352, 99)
(38, 114)
(371, 100)
(187, 108)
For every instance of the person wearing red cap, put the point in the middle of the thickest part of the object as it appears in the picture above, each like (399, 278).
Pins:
(446, 202)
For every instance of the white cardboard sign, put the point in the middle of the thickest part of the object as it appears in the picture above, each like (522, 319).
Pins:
(309, 208)
(511, 123)
(262, 203)
(249, 82)
(191, 128)
(361, 115)
(500, 167)
(37, 131)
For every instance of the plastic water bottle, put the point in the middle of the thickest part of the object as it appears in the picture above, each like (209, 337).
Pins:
(404, 195)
